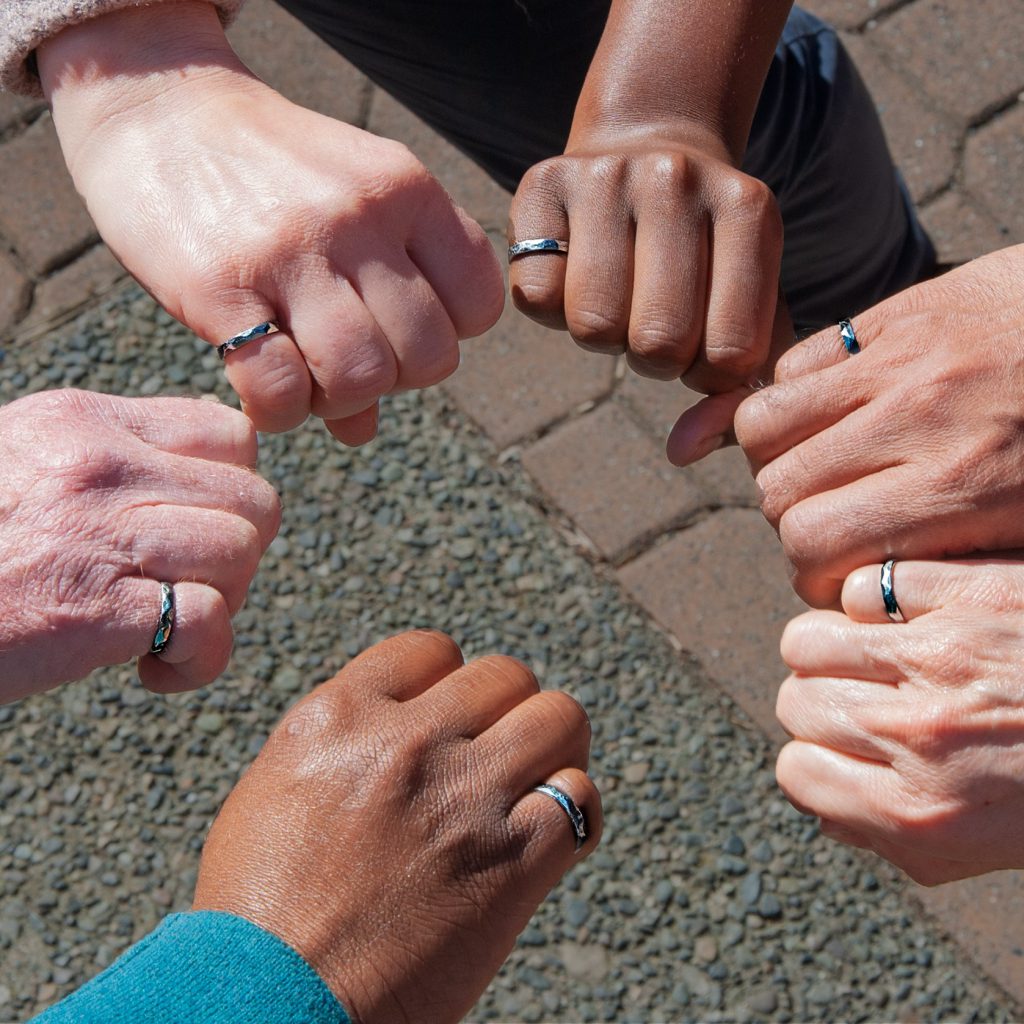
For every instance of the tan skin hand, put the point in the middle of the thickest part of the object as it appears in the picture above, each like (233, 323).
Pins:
(907, 737)
(914, 447)
(233, 207)
(388, 830)
(102, 498)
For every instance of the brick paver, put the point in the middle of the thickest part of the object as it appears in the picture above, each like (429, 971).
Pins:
(994, 169)
(965, 53)
(960, 229)
(40, 212)
(721, 589)
(848, 13)
(612, 480)
(15, 292)
(72, 288)
(17, 108)
(922, 139)
(520, 378)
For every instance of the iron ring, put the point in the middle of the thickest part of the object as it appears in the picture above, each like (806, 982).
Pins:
(162, 636)
(575, 815)
(892, 608)
(236, 341)
(532, 245)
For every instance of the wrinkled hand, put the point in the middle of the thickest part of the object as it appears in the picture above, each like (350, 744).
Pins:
(673, 256)
(913, 448)
(909, 737)
(233, 206)
(102, 498)
(388, 832)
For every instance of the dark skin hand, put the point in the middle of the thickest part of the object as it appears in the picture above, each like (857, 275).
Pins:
(674, 253)
(389, 831)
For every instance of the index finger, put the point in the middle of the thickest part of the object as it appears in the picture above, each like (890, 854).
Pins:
(190, 426)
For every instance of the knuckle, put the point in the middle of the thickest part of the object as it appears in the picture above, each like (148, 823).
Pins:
(673, 171)
(591, 324)
(660, 340)
(546, 178)
(505, 667)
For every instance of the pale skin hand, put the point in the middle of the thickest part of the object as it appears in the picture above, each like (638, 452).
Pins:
(101, 499)
(912, 448)
(233, 206)
(909, 737)
(674, 253)
(388, 830)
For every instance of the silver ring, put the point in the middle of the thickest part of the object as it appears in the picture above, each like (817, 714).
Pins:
(576, 819)
(892, 608)
(162, 636)
(848, 336)
(236, 341)
(528, 245)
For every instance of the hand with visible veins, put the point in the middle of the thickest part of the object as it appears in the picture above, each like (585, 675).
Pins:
(101, 500)
(913, 448)
(389, 830)
(908, 738)
(234, 207)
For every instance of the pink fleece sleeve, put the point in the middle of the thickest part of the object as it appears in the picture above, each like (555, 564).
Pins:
(24, 24)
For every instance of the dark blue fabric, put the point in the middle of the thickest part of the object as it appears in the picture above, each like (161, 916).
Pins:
(499, 79)
(203, 968)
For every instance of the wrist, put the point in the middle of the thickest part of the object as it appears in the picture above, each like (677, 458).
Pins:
(110, 67)
(600, 135)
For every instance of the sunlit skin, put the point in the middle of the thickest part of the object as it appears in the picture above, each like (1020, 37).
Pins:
(908, 738)
(389, 831)
(103, 498)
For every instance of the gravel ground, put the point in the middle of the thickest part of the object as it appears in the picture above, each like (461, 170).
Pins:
(711, 899)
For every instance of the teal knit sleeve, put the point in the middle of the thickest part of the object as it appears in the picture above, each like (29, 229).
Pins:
(203, 968)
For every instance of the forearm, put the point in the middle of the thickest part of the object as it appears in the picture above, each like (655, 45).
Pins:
(27, 25)
(94, 71)
(693, 69)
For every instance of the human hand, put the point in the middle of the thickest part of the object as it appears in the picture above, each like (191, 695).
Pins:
(912, 448)
(101, 499)
(673, 258)
(908, 738)
(234, 207)
(388, 830)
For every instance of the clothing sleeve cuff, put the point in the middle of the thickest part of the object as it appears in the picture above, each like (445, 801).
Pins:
(24, 24)
(203, 967)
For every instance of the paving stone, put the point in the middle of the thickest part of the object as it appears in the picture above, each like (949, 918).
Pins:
(960, 230)
(73, 286)
(15, 292)
(656, 405)
(847, 13)
(14, 108)
(40, 212)
(983, 915)
(298, 64)
(722, 589)
(967, 55)
(471, 188)
(923, 141)
(521, 377)
(994, 167)
(612, 480)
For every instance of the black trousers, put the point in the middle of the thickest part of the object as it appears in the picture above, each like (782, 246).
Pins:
(499, 79)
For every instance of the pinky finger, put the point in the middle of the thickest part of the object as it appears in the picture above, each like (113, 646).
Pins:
(358, 429)
(200, 644)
